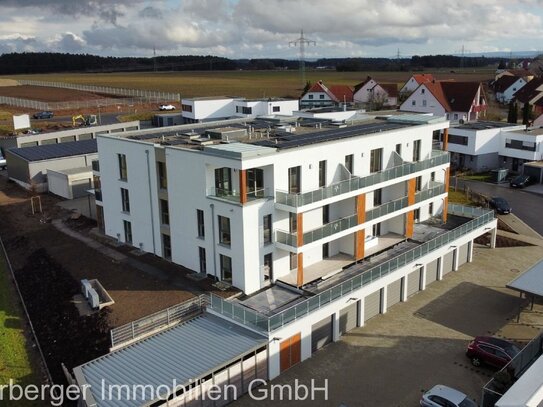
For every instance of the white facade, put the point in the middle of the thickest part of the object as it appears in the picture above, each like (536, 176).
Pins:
(423, 101)
(519, 147)
(365, 94)
(507, 94)
(317, 99)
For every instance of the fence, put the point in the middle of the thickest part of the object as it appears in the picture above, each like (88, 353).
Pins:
(264, 323)
(140, 94)
(125, 334)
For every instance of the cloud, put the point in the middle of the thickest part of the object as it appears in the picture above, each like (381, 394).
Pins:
(67, 42)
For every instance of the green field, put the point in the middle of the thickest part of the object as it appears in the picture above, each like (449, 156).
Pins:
(15, 360)
(244, 83)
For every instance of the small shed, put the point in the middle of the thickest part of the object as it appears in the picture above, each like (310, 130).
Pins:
(71, 183)
(168, 119)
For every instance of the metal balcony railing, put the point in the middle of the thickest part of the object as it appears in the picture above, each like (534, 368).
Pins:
(355, 183)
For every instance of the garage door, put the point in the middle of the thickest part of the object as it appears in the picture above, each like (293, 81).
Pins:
(290, 352)
(372, 305)
(448, 261)
(431, 271)
(348, 318)
(321, 333)
(80, 188)
(394, 293)
(463, 254)
(413, 282)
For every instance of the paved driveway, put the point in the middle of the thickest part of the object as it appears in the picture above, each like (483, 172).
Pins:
(417, 344)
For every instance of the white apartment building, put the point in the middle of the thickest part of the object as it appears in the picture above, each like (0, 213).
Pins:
(203, 109)
(321, 228)
(520, 147)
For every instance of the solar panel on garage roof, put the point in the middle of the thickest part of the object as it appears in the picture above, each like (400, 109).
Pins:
(50, 151)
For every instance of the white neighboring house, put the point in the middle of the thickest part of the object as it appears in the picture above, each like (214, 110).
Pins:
(319, 95)
(415, 81)
(519, 147)
(476, 145)
(458, 102)
(372, 92)
(204, 109)
(506, 86)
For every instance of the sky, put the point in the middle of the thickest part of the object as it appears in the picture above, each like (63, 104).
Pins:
(264, 28)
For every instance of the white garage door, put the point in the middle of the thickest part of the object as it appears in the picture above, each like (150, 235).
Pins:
(321, 333)
(348, 317)
(372, 305)
(394, 293)
(431, 271)
(463, 254)
(413, 282)
(448, 261)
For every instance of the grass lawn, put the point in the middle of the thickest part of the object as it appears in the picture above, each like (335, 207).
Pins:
(15, 360)
(459, 197)
(483, 177)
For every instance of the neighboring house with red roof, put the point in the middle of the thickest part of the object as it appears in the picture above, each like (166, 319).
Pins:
(319, 95)
(415, 81)
(525, 74)
(539, 121)
(506, 86)
(531, 93)
(374, 93)
(459, 102)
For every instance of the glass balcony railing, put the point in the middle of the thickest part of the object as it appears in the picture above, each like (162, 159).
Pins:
(234, 196)
(329, 229)
(255, 320)
(355, 183)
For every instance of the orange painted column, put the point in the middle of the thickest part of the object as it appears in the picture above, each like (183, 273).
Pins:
(359, 237)
(410, 216)
(411, 187)
(242, 186)
(409, 221)
(445, 139)
(446, 200)
(300, 273)
(300, 243)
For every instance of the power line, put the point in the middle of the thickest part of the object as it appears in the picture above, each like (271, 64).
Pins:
(302, 42)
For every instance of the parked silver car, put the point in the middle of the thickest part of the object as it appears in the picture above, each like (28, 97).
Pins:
(441, 395)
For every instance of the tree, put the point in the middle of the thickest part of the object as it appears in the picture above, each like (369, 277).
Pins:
(501, 65)
(526, 113)
(512, 114)
(306, 87)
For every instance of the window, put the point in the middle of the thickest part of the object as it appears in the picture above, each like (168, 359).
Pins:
(376, 157)
(223, 181)
(424, 103)
(277, 108)
(416, 214)
(377, 197)
(125, 199)
(292, 222)
(127, 231)
(310, 96)
(413, 103)
(202, 256)
(293, 261)
(461, 140)
(325, 214)
(164, 212)
(268, 267)
(422, 91)
(122, 167)
(433, 176)
(200, 219)
(321, 96)
(226, 268)
(376, 229)
(267, 222)
(349, 163)
(166, 246)
(325, 250)
(224, 230)
(162, 176)
(246, 110)
(431, 209)
(322, 173)
(418, 184)
(186, 108)
(416, 150)
(255, 182)
(294, 180)
(399, 149)
(456, 116)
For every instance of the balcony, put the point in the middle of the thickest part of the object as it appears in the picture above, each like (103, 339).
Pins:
(351, 221)
(234, 196)
(357, 183)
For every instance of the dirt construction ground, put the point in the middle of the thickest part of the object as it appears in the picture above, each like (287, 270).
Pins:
(47, 94)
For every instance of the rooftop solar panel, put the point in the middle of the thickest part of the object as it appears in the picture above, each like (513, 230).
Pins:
(50, 151)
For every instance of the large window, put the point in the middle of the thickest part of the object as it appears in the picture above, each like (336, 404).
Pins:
(294, 174)
(226, 268)
(293, 261)
(123, 174)
(349, 162)
(162, 175)
(186, 108)
(125, 200)
(255, 182)
(164, 212)
(416, 150)
(127, 231)
(224, 230)
(376, 159)
(418, 184)
(268, 267)
(322, 173)
(202, 256)
(267, 223)
(223, 181)
(200, 220)
(325, 214)
(461, 140)
(292, 222)
(166, 247)
(399, 149)
(377, 197)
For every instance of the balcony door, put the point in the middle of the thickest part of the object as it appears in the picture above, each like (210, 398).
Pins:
(223, 181)
(294, 182)
(255, 182)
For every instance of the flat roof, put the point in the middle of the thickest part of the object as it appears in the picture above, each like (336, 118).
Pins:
(50, 151)
(537, 131)
(73, 171)
(188, 351)
(239, 150)
(530, 282)
(485, 125)
(527, 390)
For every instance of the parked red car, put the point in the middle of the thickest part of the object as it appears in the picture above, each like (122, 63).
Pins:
(491, 351)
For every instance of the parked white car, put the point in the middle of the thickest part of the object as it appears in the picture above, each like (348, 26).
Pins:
(441, 395)
(3, 163)
(166, 107)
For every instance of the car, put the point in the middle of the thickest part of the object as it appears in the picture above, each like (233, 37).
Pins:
(43, 115)
(3, 163)
(491, 351)
(500, 205)
(166, 107)
(521, 181)
(441, 395)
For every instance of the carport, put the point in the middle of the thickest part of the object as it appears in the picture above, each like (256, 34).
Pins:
(529, 283)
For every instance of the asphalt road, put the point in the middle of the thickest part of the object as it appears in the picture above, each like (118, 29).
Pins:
(528, 206)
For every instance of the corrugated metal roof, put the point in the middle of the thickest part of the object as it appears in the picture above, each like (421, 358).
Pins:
(531, 281)
(50, 151)
(186, 352)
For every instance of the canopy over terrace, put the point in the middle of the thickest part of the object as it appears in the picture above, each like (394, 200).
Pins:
(530, 282)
